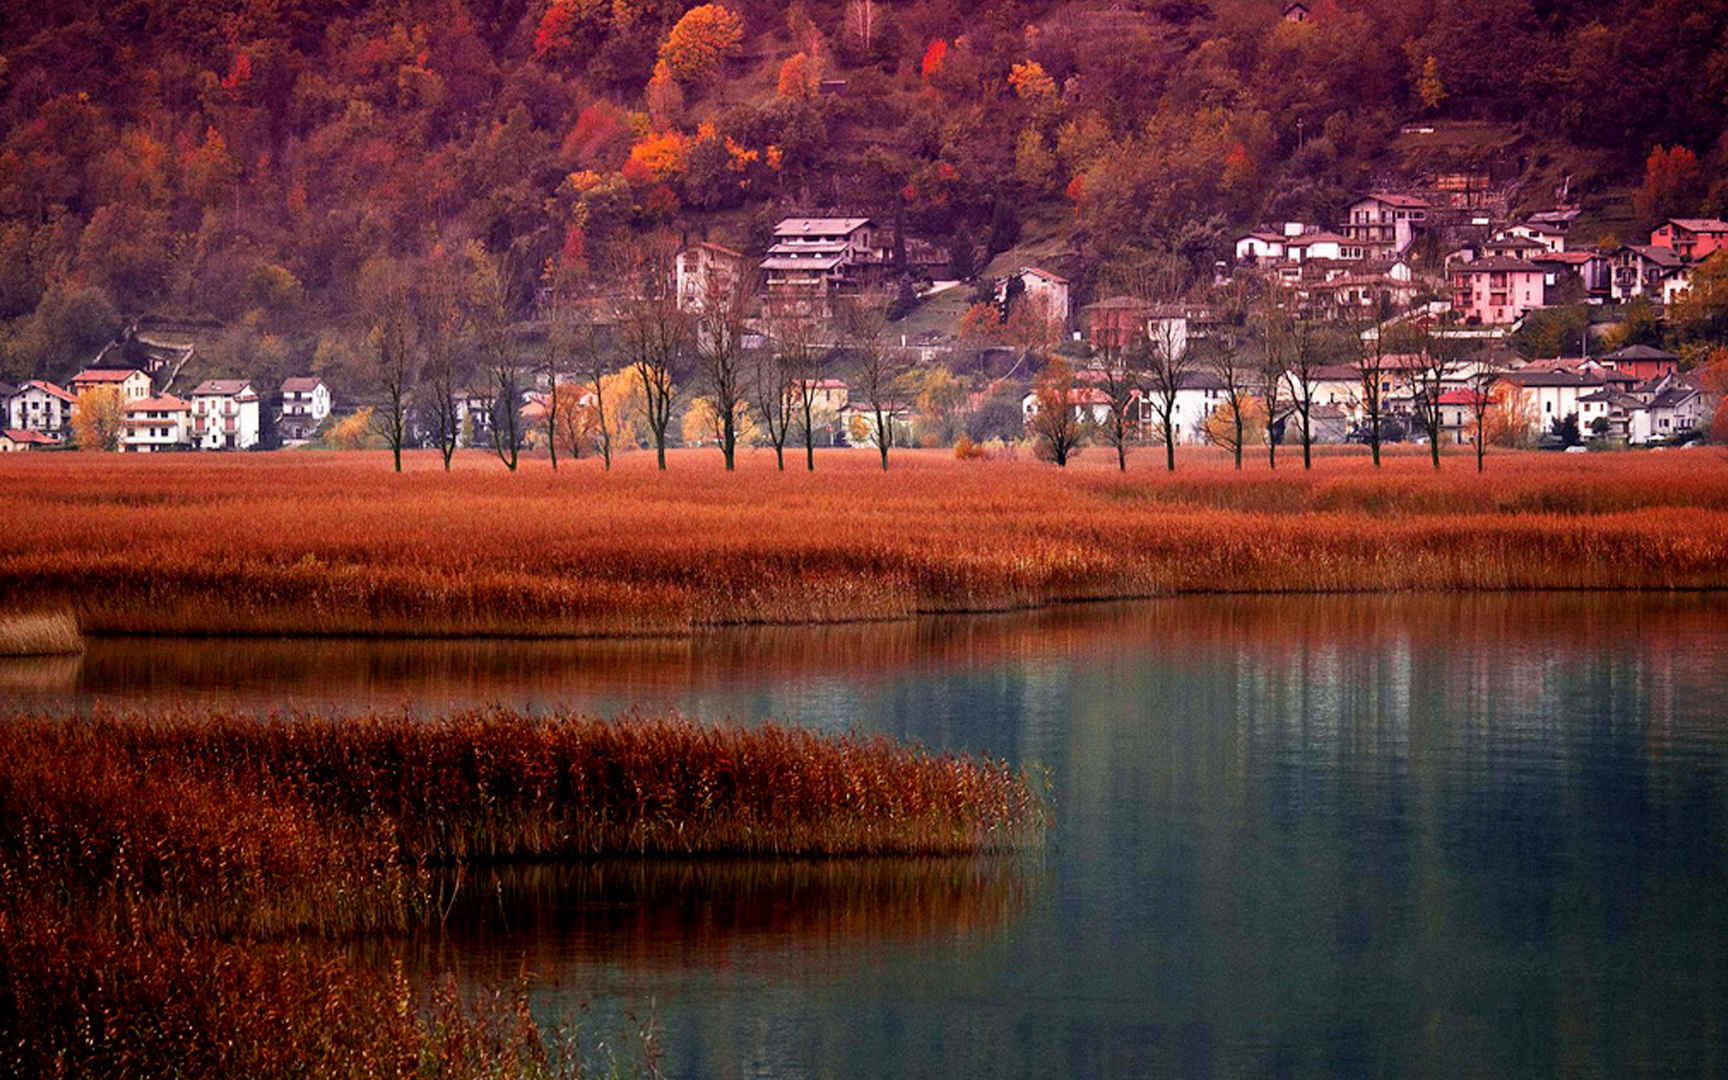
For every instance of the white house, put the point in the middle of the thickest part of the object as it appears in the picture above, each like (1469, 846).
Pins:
(1551, 237)
(39, 405)
(1198, 396)
(225, 414)
(305, 404)
(1639, 270)
(156, 424)
(1046, 290)
(1259, 248)
(1323, 245)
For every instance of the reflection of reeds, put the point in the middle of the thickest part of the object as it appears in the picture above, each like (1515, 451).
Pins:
(323, 547)
(48, 632)
(40, 674)
(657, 912)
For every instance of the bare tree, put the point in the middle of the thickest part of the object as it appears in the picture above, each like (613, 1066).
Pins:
(1169, 363)
(881, 367)
(385, 297)
(595, 368)
(1273, 375)
(1120, 355)
(442, 326)
(489, 303)
(655, 333)
(569, 338)
(1306, 360)
(724, 307)
(772, 387)
(1373, 375)
(808, 386)
(1488, 370)
(1234, 366)
(390, 336)
(1053, 421)
(1434, 363)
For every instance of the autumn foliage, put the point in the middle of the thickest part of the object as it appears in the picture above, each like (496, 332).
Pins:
(706, 35)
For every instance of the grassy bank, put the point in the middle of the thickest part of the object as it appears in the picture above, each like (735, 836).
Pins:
(170, 885)
(335, 544)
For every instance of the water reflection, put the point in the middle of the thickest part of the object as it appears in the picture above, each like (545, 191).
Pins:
(660, 915)
(1321, 836)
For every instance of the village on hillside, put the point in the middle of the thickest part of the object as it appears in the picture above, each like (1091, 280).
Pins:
(1379, 333)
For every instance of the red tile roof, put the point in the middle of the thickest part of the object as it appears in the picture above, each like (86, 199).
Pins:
(115, 375)
(20, 435)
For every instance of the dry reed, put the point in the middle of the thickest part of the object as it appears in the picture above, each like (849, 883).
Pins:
(39, 633)
(166, 881)
(334, 544)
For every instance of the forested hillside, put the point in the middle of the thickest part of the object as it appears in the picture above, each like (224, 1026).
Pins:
(245, 160)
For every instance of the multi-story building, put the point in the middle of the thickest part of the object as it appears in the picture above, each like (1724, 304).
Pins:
(157, 424)
(705, 269)
(225, 414)
(1639, 270)
(1385, 224)
(1691, 238)
(134, 385)
(39, 405)
(305, 404)
(812, 258)
(1496, 291)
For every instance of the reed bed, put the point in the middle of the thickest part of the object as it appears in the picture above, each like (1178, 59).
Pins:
(335, 544)
(172, 885)
(52, 632)
(228, 824)
(79, 1004)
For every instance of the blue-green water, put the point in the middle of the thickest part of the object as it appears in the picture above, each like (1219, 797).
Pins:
(1479, 836)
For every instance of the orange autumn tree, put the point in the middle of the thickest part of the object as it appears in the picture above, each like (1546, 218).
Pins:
(98, 418)
(798, 78)
(658, 157)
(933, 57)
(1713, 376)
(705, 36)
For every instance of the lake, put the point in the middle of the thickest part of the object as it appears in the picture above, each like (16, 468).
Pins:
(1300, 836)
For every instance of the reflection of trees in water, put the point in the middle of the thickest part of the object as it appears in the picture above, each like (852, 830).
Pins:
(1503, 629)
(699, 913)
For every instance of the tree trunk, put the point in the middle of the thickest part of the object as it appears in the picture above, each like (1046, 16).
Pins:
(780, 456)
(728, 441)
(1169, 447)
(396, 452)
(1121, 452)
(1434, 447)
(1238, 412)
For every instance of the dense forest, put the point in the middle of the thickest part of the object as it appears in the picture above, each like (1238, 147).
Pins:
(245, 161)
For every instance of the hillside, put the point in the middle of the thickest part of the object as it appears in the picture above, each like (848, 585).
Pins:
(261, 164)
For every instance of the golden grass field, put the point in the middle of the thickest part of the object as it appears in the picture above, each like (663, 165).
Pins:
(337, 544)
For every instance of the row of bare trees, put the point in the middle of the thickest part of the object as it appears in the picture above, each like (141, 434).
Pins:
(441, 326)
(1267, 372)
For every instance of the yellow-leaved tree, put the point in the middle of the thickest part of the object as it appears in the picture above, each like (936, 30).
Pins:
(98, 418)
(350, 432)
(706, 35)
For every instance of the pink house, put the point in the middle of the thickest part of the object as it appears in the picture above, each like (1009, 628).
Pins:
(1693, 238)
(1495, 291)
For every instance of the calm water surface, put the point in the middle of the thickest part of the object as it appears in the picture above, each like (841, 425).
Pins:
(1443, 836)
